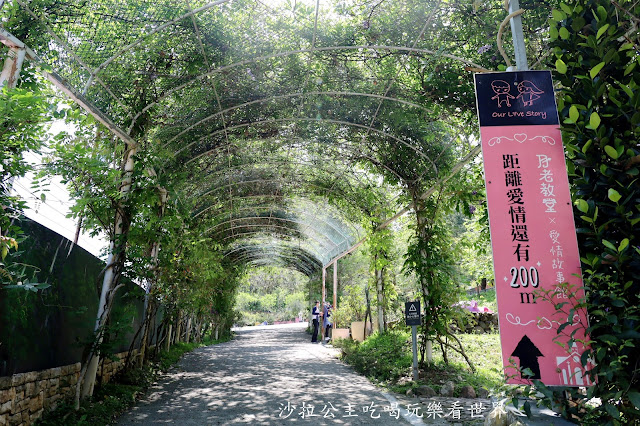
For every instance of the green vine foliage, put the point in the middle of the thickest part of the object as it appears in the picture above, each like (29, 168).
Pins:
(595, 56)
(431, 258)
(24, 113)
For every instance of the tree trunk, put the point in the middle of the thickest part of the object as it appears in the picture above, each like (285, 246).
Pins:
(421, 222)
(168, 341)
(187, 338)
(178, 328)
(367, 312)
(152, 310)
(114, 266)
(380, 291)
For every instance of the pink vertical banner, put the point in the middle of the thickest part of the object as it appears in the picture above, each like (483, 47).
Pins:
(532, 229)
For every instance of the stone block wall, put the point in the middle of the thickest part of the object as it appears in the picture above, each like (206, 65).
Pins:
(25, 397)
(476, 323)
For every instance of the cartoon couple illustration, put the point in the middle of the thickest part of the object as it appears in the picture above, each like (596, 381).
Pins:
(529, 92)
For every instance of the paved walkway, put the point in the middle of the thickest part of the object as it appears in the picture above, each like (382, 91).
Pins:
(274, 375)
(266, 375)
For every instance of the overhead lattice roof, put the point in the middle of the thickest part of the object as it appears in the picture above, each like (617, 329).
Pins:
(280, 109)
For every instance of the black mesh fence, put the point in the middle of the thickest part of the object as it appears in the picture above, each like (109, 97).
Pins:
(51, 327)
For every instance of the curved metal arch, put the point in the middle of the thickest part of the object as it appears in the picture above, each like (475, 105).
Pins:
(278, 228)
(284, 250)
(307, 268)
(408, 50)
(79, 60)
(162, 27)
(320, 120)
(232, 219)
(346, 223)
(254, 233)
(293, 95)
(248, 247)
(251, 257)
(279, 244)
(218, 173)
(256, 181)
(346, 146)
(275, 219)
(284, 263)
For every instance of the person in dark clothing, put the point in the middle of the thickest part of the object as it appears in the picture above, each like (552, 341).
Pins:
(326, 322)
(315, 317)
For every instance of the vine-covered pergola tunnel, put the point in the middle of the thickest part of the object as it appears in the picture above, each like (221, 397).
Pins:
(286, 132)
(280, 121)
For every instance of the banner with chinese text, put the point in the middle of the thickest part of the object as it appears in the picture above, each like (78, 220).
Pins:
(532, 229)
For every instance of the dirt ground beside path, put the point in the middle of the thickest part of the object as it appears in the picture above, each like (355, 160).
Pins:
(266, 375)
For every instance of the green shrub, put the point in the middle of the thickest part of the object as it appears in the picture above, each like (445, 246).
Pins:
(382, 357)
(594, 50)
(109, 401)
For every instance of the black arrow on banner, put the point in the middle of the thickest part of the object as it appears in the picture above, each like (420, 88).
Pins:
(528, 354)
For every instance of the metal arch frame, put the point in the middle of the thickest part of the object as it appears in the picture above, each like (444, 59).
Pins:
(307, 268)
(218, 175)
(316, 255)
(255, 181)
(287, 260)
(64, 86)
(241, 247)
(236, 183)
(245, 208)
(70, 52)
(295, 119)
(279, 245)
(293, 95)
(213, 230)
(231, 218)
(346, 223)
(275, 219)
(278, 228)
(191, 13)
(407, 50)
(94, 72)
(162, 27)
(303, 269)
(219, 172)
(346, 146)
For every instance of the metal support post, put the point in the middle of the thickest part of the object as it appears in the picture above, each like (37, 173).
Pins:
(109, 274)
(335, 284)
(414, 346)
(324, 286)
(12, 67)
(518, 38)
